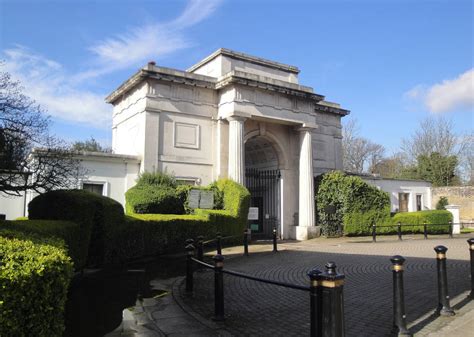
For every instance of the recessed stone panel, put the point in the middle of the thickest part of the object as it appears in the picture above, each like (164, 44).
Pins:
(186, 135)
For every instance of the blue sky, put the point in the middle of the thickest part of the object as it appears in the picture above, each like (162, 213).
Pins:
(392, 63)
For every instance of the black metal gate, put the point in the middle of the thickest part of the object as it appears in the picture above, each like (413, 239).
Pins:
(264, 187)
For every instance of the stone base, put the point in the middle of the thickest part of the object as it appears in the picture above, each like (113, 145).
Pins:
(306, 233)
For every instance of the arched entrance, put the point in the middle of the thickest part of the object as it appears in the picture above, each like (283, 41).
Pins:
(262, 179)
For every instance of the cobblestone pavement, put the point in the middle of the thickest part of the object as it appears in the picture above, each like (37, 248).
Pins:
(258, 309)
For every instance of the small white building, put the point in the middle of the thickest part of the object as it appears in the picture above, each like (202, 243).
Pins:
(405, 195)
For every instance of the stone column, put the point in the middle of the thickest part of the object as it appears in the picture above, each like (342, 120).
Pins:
(306, 190)
(236, 149)
(454, 209)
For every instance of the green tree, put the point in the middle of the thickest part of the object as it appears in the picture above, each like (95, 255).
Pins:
(90, 145)
(438, 169)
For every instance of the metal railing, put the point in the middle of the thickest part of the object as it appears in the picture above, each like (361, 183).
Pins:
(399, 226)
(326, 290)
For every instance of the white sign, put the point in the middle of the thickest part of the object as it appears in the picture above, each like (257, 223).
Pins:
(253, 213)
(207, 200)
(193, 198)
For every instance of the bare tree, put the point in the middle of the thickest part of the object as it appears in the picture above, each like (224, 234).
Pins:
(30, 159)
(436, 135)
(359, 153)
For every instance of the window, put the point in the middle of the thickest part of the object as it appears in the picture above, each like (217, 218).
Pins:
(94, 188)
(186, 181)
(403, 202)
(418, 202)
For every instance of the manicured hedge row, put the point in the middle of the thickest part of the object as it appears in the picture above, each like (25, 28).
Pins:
(34, 278)
(150, 234)
(144, 199)
(412, 222)
(65, 230)
(96, 216)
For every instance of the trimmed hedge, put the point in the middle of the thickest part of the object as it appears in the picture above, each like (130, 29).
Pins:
(150, 234)
(65, 230)
(357, 204)
(143, 199)
(96, 215)
(417, 219)
(34, 278)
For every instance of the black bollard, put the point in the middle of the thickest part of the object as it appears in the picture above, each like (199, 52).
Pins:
(399, 231)
(219, 243)
(374, 233)
(332, 301)
(315, 303)
(275, 249)
(200, 248)
(218, 288)
(425, 230)
(246, 243)
(471, 250)
(399, 316)
(451, 229)
(444, 309)
(189, 267)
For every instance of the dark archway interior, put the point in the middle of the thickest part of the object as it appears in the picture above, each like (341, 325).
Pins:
(260, 154)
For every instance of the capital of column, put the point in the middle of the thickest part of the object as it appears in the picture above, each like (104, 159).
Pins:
(236, 118)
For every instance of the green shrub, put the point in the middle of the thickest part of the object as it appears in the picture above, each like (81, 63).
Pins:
(150, 234)
(156, 179)
(22, 218)
(442, 203)
(94, 214)
(156, 199)
(34, 278)
(417, 219)
(65, 230)
(357, 205)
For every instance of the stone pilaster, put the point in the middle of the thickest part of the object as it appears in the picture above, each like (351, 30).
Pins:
(306, 221)
(236, 149)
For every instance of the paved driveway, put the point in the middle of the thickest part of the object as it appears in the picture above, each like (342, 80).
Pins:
(259, 309)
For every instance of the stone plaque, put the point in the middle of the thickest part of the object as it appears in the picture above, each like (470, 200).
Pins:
(253, 213)
(207, 200)
(193, 198)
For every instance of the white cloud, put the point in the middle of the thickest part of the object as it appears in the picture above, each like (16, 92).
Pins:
(140, 44)
(64, 95)
(47, 82)
(449, 95)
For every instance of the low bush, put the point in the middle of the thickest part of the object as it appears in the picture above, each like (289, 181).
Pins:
(96, 215)
(65, 230)
(156, 199)
(34, 278)
(150, 234)
(413, 221)
(356, 204)
(442, 203)
(156, 179)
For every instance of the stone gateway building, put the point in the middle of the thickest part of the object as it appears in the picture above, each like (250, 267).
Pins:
(237, 116)
(230, 115)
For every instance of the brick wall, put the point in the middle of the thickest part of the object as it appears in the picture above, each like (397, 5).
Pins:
(459, 195)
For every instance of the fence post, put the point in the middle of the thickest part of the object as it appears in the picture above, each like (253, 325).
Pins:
(444, 308)
(399, 316)
(399, 231)
(332, 301)
(315, 303)
(425, 230)
(189, 267)
(219, 243)
(374, 233)
(471, 250)
(275, 248)
(246, 243)
(218, 288)
(450, 229)
(200, 248)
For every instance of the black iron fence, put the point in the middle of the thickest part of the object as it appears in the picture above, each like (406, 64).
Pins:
(325, 288)
(399, 231)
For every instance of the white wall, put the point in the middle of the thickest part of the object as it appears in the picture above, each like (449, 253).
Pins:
(393, 187)
(12, 207)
